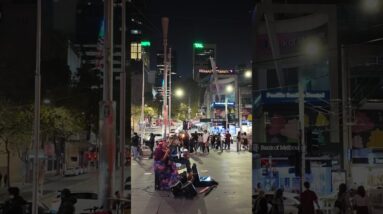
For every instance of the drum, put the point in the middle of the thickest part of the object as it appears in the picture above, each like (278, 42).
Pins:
(189, 190)
(177, 189)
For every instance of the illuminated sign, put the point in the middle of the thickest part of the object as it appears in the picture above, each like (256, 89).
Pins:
(219, 71)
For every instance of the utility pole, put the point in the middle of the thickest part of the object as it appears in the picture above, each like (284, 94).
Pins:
(347, 157)
(123, 97)
(107, 150)
(226, 114)
(165, 25)
(142, 120)
(170, 87)
(36, 125)
(237, 99)
(189, 109)
(302, 125)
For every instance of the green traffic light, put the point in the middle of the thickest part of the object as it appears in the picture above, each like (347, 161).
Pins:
(145, 43)
(198, 45)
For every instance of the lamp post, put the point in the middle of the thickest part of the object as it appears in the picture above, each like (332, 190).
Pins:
(229, 89)
(122, 97)
(165, 25)
(36, 125)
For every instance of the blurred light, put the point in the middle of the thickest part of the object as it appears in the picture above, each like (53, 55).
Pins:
(312, 47)
(248, 74)
(371, 6)
(145, 43)
(198, 45)
(179, 92)
(229, 88)
(47, 101)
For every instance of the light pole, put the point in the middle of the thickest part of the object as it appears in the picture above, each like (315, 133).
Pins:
(229, 89)
(107, 150)
(170, 87)
(165, 25)
(36, 125)
(122, 97)
(142, 117)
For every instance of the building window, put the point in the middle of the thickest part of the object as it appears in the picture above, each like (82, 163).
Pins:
(135, 51)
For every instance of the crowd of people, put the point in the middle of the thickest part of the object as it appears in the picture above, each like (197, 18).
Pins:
(353, 201)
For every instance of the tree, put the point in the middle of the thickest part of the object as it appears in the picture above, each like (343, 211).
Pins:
(57, 125)
(15, 131)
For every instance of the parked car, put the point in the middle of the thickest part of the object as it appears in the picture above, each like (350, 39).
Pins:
(290, 201)
(85, 200)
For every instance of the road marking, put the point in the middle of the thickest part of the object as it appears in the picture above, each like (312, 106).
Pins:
(148, 173)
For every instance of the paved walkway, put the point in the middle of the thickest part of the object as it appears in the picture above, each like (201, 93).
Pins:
(233, 195)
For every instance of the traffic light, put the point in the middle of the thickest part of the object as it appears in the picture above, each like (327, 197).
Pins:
(198, 45)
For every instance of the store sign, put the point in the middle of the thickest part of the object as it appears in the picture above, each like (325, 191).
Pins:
(283, 96)
(280, 147)
(219, 71)
(285, 149)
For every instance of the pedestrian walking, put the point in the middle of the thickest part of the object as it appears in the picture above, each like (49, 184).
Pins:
(15, 204)
(5, 178)
(67, 202)
(361, 201)
(245, 141)
(343, 203)
(151, 144)
(308, 198)
(135, 146)
(227, 140)
(260, 204)
(205, 139)
(201, 145)
(239, 140)
(277, 203)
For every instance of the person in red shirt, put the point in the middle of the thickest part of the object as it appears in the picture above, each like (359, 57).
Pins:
(308, 198)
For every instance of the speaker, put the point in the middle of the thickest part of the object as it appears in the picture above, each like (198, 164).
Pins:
(177, 189)
(189, 190)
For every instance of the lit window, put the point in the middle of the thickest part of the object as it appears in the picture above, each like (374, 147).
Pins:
(135, 51)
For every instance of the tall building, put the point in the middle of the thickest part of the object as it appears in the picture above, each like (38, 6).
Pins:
(201, 59)
(278, 120)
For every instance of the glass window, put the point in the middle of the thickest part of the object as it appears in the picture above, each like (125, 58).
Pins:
(135, 51)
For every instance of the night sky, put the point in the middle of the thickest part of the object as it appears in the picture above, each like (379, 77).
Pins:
(225, 23)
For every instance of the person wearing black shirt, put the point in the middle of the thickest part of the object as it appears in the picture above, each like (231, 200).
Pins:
(135, 146)
(15, 204)
(151, 144)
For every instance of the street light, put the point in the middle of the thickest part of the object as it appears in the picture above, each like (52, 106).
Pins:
(248, 74)
(229, 88)
(179, 92)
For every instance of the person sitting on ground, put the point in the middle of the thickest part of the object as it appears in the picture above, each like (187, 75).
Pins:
(15, 204)
(67, 203)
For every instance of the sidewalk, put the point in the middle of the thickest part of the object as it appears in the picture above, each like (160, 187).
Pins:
(233, 195)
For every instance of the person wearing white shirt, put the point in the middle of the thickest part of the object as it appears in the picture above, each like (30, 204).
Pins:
(205, 139)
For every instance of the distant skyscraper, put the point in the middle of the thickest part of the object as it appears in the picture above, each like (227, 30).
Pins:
(160, 66)
(201, 59)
